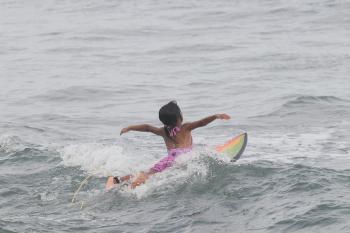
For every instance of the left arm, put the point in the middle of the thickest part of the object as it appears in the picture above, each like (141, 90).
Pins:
(143, 128)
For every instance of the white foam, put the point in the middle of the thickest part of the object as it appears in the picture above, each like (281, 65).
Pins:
(103, 159)
(188, 168)
(47, 196)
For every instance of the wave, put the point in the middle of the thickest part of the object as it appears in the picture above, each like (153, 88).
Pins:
(205, 181)
(102, 160)
(11, 143)
(308, 99)
(75, 93)
(87, 94)
(307, 104)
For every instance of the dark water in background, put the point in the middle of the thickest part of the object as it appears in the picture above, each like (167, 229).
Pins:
(73, 73)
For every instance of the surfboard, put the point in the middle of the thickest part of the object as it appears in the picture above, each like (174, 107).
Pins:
(235, 147)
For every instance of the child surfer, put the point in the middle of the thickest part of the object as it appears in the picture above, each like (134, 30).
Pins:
(177, 137)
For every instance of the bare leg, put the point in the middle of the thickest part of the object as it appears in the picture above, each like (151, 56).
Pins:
(124, 178)
(141, 178)
(113, 181)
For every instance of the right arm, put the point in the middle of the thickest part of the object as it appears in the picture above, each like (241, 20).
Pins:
(206, 121)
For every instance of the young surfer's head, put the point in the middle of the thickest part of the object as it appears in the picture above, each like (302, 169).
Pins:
(170, 115)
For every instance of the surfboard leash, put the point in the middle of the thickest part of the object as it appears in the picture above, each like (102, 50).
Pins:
(80, 186)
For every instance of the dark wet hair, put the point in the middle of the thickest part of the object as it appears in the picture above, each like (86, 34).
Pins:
(168, 115)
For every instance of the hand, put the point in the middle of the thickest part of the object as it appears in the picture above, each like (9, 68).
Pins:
(125, 130)
(223, 116)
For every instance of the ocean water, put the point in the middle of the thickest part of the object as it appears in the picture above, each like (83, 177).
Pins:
(73, 73)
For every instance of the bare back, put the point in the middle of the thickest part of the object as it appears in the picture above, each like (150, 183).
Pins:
(183, 139)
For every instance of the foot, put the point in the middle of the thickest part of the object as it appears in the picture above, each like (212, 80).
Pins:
(110, 183)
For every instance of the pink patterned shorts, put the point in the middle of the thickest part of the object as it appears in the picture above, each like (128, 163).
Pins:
(169, 160)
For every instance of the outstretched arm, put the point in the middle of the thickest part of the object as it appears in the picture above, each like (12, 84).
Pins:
(143, 128)
(207, 120)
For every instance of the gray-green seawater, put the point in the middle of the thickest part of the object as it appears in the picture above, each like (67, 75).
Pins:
(73, 73)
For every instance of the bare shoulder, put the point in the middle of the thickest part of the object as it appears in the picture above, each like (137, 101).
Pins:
(186, 126)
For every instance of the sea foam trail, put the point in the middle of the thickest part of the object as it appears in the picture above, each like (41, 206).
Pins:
(102, 160)
(107, 159)
(98, 158)
(189, 168)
